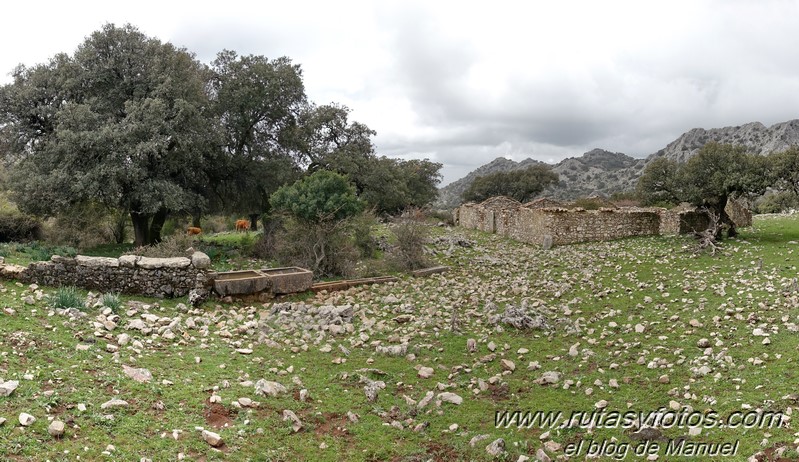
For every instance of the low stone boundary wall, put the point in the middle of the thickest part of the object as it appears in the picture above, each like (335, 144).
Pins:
(129, 274)
(536, 224)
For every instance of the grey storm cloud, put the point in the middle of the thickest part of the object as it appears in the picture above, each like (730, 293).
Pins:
(464, 82)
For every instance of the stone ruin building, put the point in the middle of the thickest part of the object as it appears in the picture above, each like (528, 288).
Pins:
(548, 222)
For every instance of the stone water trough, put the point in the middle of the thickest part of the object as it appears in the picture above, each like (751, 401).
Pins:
(276, 280)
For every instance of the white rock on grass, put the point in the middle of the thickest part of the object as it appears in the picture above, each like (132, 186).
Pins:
(116, 402)
(296, 424)
(496, 448)
(26, 419)
(6, 388)
(508, 365)
(269, 388)
(138, 374)
(213, 439)
(425, 372)
(449, 397)
(56, 429)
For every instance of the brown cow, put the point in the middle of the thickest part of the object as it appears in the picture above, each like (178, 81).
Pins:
(193, 230)
(242, 225)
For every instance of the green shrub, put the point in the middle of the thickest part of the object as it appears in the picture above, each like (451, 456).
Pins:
(175, 245)
(444, 216)
(327, 251)
(781, 201)
(15, 226)
(83, 227)
(319, 211)
(66, 297)
(363, 237)
(408, 254)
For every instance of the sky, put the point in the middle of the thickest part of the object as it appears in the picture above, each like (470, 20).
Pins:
(464, 82)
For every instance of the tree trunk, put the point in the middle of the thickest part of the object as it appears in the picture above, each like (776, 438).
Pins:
(141, 228)
(120, 227)
(155, 227)
(727, 220)
(254, 221)
(195, 220)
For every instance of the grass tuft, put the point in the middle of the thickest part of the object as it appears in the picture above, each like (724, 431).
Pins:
(67, 297)
(112, 300)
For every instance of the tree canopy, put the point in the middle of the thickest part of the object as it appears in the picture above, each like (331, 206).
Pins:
(324, 196)
(122, 123)
(715, 174)
(137, 125)
(522, 185)
(785, 169)
(257, 103)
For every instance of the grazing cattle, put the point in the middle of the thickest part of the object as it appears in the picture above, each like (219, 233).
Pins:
(193, 230)
(242, 225)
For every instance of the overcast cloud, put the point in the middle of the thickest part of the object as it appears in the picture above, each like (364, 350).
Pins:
(462, 83)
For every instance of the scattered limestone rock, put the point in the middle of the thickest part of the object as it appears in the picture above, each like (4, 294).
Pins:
(496, 448)
(213, 439)
(449, 397)
(56, 429)
(541, 456)
(200, 260)
(138, 374)
(296, 424)
(26, 419)
(476, 439)
(6, 388)
(393, 350)
(116, 402)
(548, 377)
(269, 388)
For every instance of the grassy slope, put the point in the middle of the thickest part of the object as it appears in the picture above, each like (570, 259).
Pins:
(598, 284)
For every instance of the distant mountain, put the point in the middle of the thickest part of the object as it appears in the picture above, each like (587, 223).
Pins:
(603, 172)
(450, 195)
(595, 172)
(755, 136)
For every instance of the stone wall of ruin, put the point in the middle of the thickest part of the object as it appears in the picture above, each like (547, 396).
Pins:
(528, 223)
(129, 274)
(569, 227)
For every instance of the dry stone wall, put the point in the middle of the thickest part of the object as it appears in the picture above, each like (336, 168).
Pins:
(539, 225)
(130, 274)
(568, 227)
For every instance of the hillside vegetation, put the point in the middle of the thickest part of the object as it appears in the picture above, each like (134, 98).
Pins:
(630, 325)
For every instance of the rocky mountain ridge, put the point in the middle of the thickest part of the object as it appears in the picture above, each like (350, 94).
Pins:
(604, 173)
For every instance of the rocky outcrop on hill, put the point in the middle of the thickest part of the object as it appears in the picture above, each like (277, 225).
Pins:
(599, 172)
(755, 136)
(595, 172)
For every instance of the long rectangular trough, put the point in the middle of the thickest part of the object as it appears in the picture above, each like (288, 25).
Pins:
(287, 280)
(241, 282)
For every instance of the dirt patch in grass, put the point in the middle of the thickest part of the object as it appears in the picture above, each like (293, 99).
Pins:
(217, 416)
(500, 392)
(333, 425)
(769, 454)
